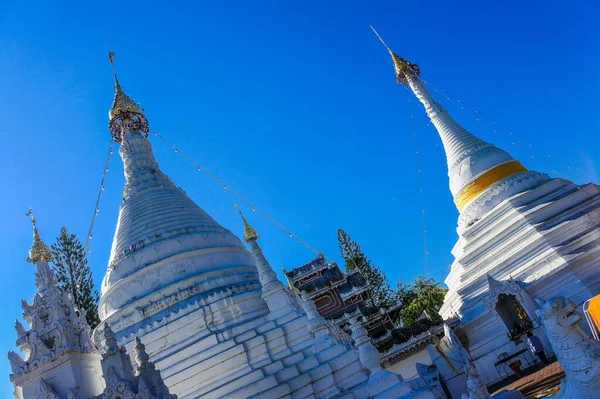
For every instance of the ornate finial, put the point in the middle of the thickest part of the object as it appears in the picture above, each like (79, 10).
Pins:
(39, 251)
(124, 108)
(249, 232)
(141, 357)
(401, 65)
(112, 345)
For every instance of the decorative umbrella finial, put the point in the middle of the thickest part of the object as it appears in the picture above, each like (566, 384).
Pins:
(249, 232)
(39, 251)
(124, 108)
(401, 65)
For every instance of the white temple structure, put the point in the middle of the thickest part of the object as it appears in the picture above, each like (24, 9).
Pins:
(217, 322)
(61, 361)
(522, 235)
(213, 316)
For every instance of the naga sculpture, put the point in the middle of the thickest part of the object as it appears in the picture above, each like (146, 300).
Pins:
(577, 353)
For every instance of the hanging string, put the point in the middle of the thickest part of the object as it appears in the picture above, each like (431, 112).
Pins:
(97, 207)
(234, 192)
(546, 164)
(510, 132)
(419, 181)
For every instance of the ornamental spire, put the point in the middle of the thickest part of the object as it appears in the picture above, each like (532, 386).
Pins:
(39, 251)
(249, 232)
(401, 66)
(124, 112)
(474, 165)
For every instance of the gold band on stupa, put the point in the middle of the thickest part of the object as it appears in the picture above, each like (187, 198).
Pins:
(486, 179)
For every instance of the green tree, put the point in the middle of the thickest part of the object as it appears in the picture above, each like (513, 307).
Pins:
(74, 275)
(354, 259)
(424, 294)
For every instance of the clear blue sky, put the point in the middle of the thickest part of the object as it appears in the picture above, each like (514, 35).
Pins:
(292, 103)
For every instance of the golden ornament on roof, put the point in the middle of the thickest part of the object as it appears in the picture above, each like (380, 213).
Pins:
(124, 110)
(122, 102)
(401, 66)
(249, 232)
(39, 251)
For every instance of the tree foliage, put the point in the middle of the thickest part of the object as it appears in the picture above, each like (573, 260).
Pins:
(423, 295)
(354, 259)
(74, 275)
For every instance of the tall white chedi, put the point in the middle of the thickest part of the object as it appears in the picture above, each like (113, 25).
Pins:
(522, 235)
(213, 316)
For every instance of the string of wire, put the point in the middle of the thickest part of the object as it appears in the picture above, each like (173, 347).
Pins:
(97, 207)
(419, 181)
(234, 192)
(508, 130)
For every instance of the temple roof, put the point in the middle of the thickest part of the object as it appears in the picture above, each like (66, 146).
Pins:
(316, 264)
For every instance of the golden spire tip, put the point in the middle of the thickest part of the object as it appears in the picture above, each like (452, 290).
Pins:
(39, 251)
(249, 232)
(402, 67)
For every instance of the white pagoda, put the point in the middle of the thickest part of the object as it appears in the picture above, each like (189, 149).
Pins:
(214, 318)
(213, 315)
(522, 236)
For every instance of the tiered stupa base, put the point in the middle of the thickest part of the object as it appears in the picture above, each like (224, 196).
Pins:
(536, 244)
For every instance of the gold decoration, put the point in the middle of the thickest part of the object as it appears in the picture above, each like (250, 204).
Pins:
(122, 102)
(123, 107)
(249, 232)
(39, 251)
(485, 180)
(401, 66)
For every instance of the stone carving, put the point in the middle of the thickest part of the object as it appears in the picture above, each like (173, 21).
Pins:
(454, 345)
(150, 382)
(577, 353)
(45, 391)
(476, 387)
(381, 381)
(508, 287)
(116, 388)
(17, 364)
(119, 377)
(458, 357)
(55, 326)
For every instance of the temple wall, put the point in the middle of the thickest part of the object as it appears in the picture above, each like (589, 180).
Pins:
(407, 367)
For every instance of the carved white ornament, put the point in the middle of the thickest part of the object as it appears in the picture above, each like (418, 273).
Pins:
(55, 326)
(475, 385)
(497, 288)
(577, 353)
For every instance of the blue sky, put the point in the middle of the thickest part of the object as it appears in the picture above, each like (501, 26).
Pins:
(294, 104)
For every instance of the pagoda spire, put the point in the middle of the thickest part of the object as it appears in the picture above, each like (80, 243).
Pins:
(124, 114)
(39, 251)
(249, 232)
(266, 274)
(474, 165)
(40, 255)
(277, 296)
